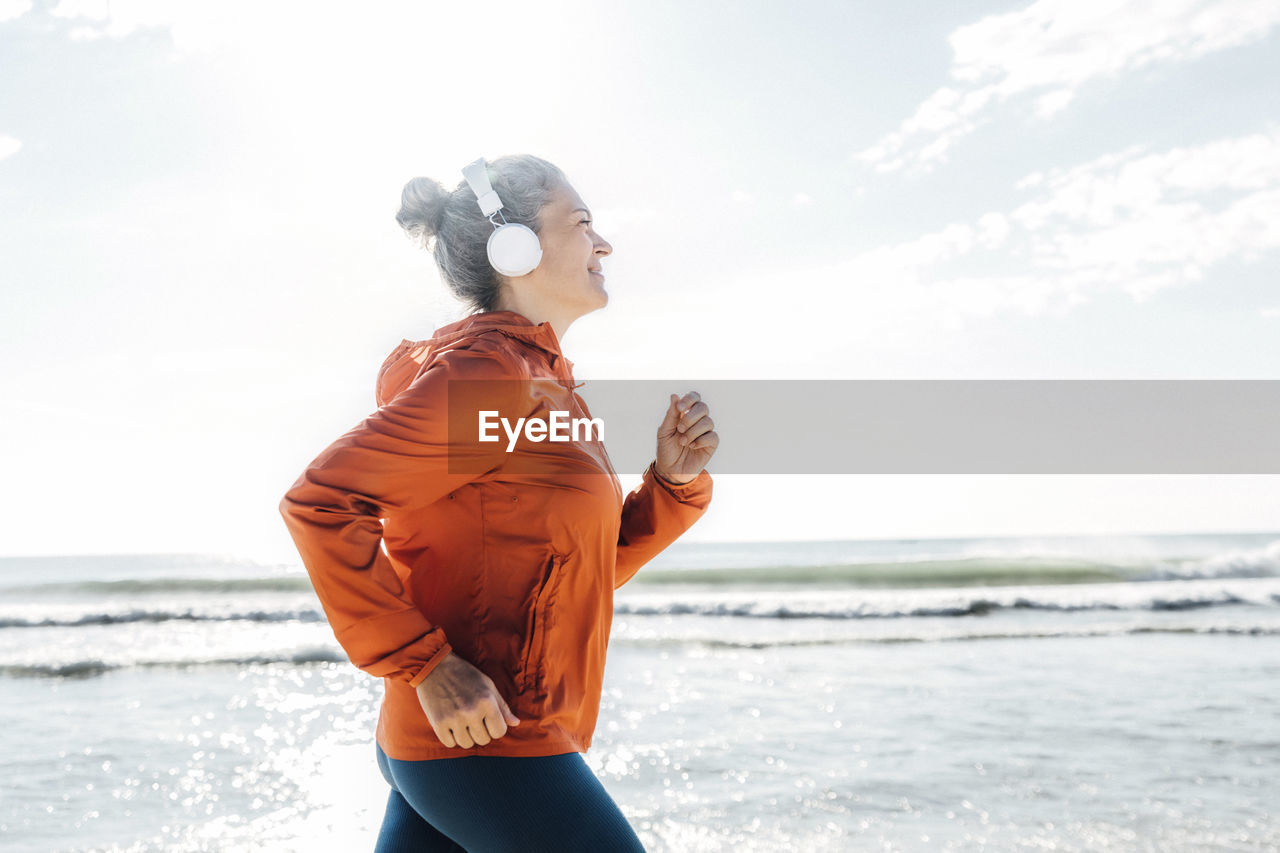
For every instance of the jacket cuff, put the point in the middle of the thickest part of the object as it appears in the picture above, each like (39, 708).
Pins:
(366, 644)
(680, 491)
(430, 665)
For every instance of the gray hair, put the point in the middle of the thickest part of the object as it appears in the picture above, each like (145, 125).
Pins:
(452, 227)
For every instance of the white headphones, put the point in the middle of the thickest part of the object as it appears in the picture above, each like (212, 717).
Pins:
(513, 248)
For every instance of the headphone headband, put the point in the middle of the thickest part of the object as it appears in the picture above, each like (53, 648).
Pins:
(477, 176)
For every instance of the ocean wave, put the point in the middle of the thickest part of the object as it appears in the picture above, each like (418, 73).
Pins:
(839, 604)
(899, 574)
(133, 616)
(895, 610)
(1031, 566)
(975, 571)
(1261, 562)
(92, 667)
(152, 586)
(720, 642)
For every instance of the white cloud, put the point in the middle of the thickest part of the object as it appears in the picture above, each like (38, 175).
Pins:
(289, 32)
(11, 9)
(993, 228)
(1143, 222)
(1049, 51)
(192, 25)
(1133, 222)
(9, 146)
(96, 9)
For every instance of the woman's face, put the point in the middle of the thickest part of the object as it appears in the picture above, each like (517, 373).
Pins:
(570, 273)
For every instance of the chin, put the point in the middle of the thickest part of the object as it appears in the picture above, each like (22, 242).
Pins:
(601, 300)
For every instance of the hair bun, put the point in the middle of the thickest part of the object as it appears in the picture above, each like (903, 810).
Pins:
(422, 204)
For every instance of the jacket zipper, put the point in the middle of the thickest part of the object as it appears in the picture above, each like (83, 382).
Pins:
(538, 626)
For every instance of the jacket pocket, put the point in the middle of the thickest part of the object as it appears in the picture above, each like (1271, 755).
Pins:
(532, 662)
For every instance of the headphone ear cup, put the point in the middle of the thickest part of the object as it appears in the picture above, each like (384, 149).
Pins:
(514, 249)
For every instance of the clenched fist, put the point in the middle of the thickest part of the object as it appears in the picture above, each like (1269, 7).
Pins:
(463, 705)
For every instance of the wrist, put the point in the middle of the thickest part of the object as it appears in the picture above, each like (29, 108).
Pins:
(657, 472)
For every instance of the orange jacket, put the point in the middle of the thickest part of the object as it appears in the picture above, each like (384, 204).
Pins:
(514, 572)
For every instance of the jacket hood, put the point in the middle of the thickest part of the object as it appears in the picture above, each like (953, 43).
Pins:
(408, 359)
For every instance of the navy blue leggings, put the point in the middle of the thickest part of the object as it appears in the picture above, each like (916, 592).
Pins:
(483, 803)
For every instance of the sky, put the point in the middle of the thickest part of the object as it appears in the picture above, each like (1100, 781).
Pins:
(200, 271)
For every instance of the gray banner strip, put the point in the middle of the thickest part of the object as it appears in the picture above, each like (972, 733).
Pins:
(1131, 427)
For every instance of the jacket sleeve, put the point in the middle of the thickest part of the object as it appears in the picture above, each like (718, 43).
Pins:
(654, 515)
(396, 460)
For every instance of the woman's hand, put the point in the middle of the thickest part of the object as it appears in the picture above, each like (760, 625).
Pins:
(686, 439)
(463, 705)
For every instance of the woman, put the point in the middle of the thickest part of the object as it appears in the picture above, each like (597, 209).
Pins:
(488, 613)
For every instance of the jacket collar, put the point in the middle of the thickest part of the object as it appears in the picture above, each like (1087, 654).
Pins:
(541, 335)
(407, 359)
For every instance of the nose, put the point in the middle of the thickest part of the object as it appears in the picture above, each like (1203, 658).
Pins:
(603, 247)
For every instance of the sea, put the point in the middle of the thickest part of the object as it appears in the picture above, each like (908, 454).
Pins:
(1062, 693)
